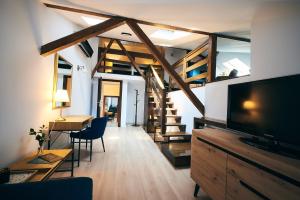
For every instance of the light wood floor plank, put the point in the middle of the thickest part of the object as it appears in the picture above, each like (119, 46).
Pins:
(133, 168)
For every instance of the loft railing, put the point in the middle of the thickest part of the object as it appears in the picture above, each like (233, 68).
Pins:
(185, 65)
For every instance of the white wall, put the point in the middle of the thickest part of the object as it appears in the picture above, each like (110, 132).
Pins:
(124, 103)
(128, 98)
(27, 77)
(227, 56)
(132, 86)
(185, 108)
(173, 55)
(275, 51)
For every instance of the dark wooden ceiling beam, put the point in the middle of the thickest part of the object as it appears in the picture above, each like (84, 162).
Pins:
(128, 63)
(135, 65)
(165, 64)
(101, 58)
(233, 37)
(87, 12)
(133, 54)
(159, 25)
(116, 61)
(80, 36)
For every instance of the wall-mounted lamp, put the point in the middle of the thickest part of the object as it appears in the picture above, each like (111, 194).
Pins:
(81, 68)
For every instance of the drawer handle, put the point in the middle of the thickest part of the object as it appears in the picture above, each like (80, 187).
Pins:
(248, 187)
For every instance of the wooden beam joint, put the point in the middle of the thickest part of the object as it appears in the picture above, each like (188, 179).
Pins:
(165, 64)
(80, 36)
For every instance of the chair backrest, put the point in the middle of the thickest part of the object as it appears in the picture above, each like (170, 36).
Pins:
(98, 126)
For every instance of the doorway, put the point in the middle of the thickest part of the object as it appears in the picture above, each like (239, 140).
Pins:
(110, 101)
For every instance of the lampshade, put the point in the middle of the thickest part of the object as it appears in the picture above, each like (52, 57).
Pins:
(62, 96)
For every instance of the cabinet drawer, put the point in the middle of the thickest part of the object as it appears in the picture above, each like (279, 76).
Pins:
(208, 168)
(245, 181)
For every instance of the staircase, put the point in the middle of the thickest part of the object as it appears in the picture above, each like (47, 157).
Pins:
(165, 125)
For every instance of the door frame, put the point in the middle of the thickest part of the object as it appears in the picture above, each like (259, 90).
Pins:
(119, 100)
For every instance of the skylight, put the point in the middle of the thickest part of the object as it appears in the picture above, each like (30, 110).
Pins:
(169, 35)
(237, 64)
(92, 21)
(164, 45)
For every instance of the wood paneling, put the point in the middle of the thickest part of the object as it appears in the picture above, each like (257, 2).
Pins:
(80, 36)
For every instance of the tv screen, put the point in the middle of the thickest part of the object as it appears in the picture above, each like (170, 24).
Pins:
(266, 108)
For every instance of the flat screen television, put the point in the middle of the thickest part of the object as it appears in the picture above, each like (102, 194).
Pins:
(266, 109)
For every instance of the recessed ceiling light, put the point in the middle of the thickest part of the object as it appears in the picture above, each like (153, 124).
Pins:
(243, 69)
(164, 45)
(169, 35)
(126, 34)
(92, 21)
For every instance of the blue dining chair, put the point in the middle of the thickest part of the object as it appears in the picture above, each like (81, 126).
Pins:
(94, 132)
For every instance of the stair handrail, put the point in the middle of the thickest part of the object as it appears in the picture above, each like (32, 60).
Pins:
(157, 78)
(161, 94)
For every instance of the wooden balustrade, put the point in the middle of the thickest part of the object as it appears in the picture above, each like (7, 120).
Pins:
(184, 66)
(160, 93)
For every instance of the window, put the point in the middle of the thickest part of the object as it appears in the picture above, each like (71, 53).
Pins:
(233, 58)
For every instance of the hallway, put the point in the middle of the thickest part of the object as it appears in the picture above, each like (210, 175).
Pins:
(134, 168)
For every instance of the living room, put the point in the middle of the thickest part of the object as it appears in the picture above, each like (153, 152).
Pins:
(130, 164)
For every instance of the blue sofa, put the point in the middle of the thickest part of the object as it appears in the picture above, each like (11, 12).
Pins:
(80, 188)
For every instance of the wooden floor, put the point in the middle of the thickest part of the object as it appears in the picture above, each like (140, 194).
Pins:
(134, 168)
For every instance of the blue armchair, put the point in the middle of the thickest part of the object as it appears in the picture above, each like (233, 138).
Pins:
(80, 188)
(94, 132)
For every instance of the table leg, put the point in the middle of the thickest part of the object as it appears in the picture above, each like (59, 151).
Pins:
(72, 165)
(197, 187)
(49, 140)
(79, 149)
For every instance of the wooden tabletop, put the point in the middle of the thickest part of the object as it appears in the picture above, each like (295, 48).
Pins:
(75, 118)
(227, 140)
(44, 170)
(71, 123)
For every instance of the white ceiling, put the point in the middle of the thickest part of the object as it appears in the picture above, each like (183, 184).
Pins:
(232, 17)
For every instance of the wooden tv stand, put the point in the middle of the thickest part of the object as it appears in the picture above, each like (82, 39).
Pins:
(226, 168)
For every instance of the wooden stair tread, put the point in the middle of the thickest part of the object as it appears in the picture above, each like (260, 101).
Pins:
(171, 134)
(171, 109)
(175, 116)
(179, 149)
(174, 124)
